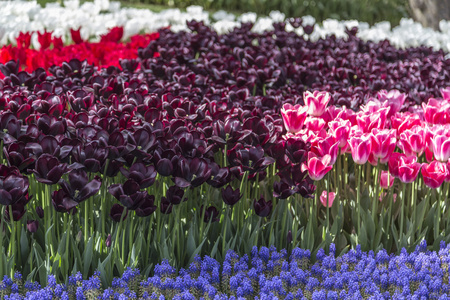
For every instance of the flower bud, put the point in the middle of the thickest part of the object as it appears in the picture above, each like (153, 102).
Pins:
(32, 225)
(108, 241)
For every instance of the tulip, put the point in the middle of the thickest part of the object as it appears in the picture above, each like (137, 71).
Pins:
(48, 170)
(316, 102)
(328, 145)
(383, 143)
(412, 141)
(408, 168)
(330, 200)
(142, 174)
(393, 99)
(40, 211)
(293, 117)
(230, 196)
(146, 207)
(434, 174)
(361, 146)
(440, 145)
(317, 166)
(340, 130)
(386, 180)
(116, 212)
(262, 207)
(32, 225)
(283, 190)
(108, 241)
(13, 189)
(128, 194)
(211, 214)
(175, 195)
(79, 188)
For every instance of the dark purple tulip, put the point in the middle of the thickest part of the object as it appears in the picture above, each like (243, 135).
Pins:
(62, 202)
(211, 214)
(129, 65)
(108, 241)
(142, 174)
(289, 237)
(192, 173)
(251, 159)
(128, 194)
(116, 212)
(306, 188)
(262, 207)
(175, 194)
(32, 225)
(91, 156)
(166, 206)
(283, 190)
(6, 171)
(164, 167)
(219, 176)
(40, 211)
(11, 67)
(147, 206)
(48, 170)
(13, 189)
(18, 210)
(230, 196)
(17, 155)
(79, 187)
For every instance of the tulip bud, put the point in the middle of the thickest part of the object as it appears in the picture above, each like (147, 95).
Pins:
(40, 212)
(289, 237)
(327, 202)
(79, 236)
(108, 241)
(386, 180)
(32, 225)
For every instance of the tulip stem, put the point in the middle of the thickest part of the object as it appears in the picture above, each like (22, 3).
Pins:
(86, 221)
(358, 203)
(402, 213)
(438, 215)
(2, 238)
(328, 199)
(224, 235)
(12, 241)
(377, 190)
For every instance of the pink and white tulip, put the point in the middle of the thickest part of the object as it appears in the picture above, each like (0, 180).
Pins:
(316, 102)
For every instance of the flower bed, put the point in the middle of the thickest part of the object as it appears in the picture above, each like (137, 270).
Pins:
(98, 17)
(267, 274)
(204, 143)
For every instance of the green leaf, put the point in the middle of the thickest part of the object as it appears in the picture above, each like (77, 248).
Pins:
(87, 256)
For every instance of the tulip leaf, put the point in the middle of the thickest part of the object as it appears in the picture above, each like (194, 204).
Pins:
(87, 255)
(24, 245)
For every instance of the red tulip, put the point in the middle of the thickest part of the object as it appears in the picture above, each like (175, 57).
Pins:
(330, 200)
(434, 174)
(408, 168)
(317, 166)
(316, 102)
(360, 146)
(293, 117)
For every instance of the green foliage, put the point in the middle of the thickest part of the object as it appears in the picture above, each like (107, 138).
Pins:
(371, 11)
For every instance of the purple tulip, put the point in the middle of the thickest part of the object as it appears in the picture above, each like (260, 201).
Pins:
(211, 214)
(40, 212)
(230, 196)
(128, 194)
(191, 173)
(116, 212)
(146, 207)
(13, 189)
(108, 241)
(32, 225)
(262, 207)
(48, 170)
(143, 175)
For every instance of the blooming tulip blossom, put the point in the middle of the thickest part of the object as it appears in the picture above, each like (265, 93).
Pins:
(386, 180)
(383, 143)
(440, 145)
(360, 146)
(316, 102)
(327, 202)
(317, 166)
(293, 117)
(434, 174)
(412, 141)
(408, 168)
